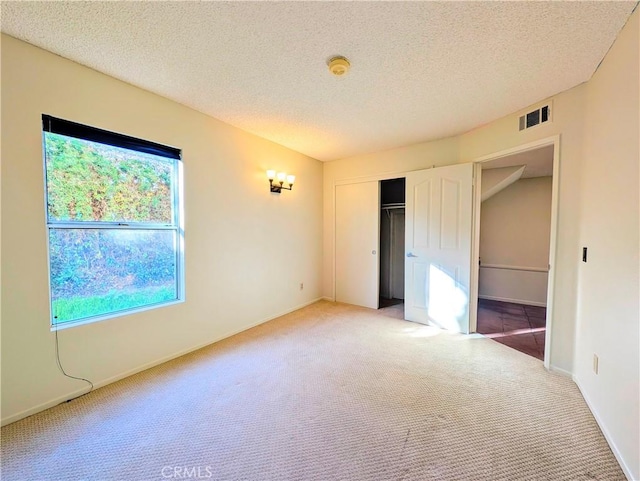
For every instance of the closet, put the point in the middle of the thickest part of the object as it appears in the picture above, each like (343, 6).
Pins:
(407, 241)
(392, 227)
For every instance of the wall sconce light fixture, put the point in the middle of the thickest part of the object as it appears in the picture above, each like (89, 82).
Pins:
(276, 186)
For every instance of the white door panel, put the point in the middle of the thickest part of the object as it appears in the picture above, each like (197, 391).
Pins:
(438, 246)
(357, 241)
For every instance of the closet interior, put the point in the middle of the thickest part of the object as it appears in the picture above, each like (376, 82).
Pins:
(392, 217)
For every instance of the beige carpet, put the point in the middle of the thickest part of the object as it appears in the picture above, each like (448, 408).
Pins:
(330, 392)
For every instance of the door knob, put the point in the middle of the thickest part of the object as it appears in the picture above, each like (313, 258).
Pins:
(373, 252)
(411, 254)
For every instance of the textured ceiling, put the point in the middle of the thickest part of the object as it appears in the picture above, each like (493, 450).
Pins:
(538, 162)
(420, 70)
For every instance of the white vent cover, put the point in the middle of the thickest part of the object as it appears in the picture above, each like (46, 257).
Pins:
(535, 117)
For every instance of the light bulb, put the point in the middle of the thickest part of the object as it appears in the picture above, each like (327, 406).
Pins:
(271, 174)
(281, 176)
(291, 179)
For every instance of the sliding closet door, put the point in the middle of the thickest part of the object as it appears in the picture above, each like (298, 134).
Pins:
(357, 240)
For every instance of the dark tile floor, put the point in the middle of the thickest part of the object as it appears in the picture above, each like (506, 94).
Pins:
(384, 302)
(515, 325)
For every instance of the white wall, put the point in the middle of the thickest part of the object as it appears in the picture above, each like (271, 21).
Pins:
(495, 180)
(608, 323)
(515, 225)
(246, 250)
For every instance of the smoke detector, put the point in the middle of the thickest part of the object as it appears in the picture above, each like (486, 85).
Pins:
(338, 66)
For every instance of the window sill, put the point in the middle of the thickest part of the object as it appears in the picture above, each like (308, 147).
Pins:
(91, 320)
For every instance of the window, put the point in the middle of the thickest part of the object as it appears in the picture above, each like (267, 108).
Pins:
(113, 219)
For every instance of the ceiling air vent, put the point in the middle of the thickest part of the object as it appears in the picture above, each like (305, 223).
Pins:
(535, 117)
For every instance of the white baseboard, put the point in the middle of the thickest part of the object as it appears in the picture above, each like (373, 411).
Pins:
(605, 432)
(327, 298)
(97, 384)
(515, 301)
(564, 372)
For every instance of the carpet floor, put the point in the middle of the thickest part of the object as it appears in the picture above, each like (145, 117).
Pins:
(329, 392)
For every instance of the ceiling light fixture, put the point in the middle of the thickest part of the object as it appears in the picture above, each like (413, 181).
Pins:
(338, 66)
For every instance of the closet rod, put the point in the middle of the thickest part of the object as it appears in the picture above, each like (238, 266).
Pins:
(392, 206)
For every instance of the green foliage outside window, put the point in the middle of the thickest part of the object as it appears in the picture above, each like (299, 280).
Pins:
(88, 181)
(97, 271)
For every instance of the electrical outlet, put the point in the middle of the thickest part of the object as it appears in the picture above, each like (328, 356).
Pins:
(301, 285)
(595, 363)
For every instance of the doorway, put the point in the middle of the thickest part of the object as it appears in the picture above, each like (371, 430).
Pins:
(515, 242)
(392, 246)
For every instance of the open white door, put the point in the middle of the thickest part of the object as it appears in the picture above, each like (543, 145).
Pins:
(357, 239)
(438, 246)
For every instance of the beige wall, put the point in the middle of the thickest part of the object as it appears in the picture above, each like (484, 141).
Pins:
(515, 225)
(608, 323)
(246, 250)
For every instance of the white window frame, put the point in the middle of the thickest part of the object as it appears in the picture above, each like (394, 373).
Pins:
(177, 226)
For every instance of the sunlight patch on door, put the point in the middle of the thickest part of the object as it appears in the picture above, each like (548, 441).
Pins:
(447, 300)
